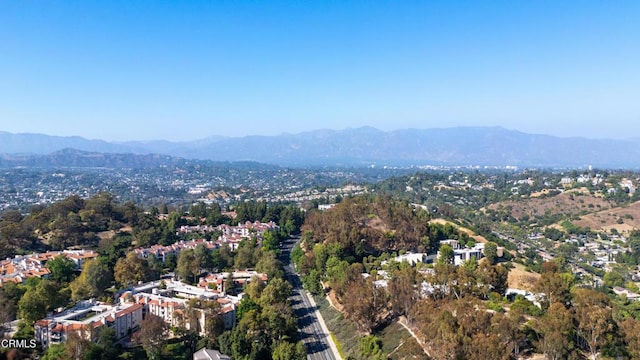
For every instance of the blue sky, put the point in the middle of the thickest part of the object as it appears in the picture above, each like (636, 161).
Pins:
(182, 70)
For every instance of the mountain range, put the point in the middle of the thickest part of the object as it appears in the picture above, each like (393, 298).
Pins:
(482, 146)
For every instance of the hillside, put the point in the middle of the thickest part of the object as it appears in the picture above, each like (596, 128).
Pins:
(520, 278)
(364, 227)
(471, 234)
(567, 204)
(582, 209)
(623, 219)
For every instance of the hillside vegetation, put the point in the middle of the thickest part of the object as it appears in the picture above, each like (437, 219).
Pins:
(462, 312)
(566, 204)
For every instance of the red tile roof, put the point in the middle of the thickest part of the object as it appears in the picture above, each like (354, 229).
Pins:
(129, 310)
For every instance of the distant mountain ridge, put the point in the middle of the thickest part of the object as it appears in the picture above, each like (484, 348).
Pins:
(483, 146)
(67, 158)
(83, 159)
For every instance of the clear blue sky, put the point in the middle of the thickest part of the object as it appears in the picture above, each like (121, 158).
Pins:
(181, 70)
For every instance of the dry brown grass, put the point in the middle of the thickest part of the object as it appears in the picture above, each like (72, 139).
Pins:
(106, 234)
(606, 220)
(569, 203)
(333, 300)
(601, 215)
(519, 278)
(474, 236)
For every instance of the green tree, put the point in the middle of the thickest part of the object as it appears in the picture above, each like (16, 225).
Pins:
(107, 343)
(171, 262)
(33, 306)
(297, 255)
(246, 254)
(40, 299)
(247, 304)
(56, 352)
(131, 270)
(555, 286)
(370, 347)
(594, 319)
(553, 233)
(225, 257)
(114, 248)
(62, 269)
(402, 291)
(336, 271)
(270, 241)
(7, 313)
(10, 294)
(188, 267)
(491, 252)
(25, 331)
(281, 324)
(94, 279)
(555, 330)
(284, 351)
(493, 278)
(270, 265)
(276, 291)
(613, 278)
(164, 209)
(311, 282)
(446, 254)
(202, 255)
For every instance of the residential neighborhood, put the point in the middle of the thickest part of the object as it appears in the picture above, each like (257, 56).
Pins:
(22, 267)
(167, 299)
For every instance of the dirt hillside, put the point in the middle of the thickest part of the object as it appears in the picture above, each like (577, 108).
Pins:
(568, 203)
(519, 278)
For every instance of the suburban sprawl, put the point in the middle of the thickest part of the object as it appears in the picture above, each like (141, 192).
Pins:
(273, 263)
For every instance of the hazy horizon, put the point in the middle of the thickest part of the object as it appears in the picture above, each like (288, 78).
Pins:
(122, 71)
(205, 136)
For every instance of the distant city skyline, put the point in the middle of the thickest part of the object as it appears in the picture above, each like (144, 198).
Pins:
(179, 71)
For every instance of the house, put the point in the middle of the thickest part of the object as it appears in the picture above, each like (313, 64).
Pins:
(629, 294)
(462, 254)
(324, 207)
(628, 185)
(126, 319)
(216, 282)
(208, 354)
(413, 258)
(455, 244)
(84, 318)
(79, 257)
(511, 293)
(566, 181)
(162, 252)
(170, 302)
(22, 267)
(465, 254)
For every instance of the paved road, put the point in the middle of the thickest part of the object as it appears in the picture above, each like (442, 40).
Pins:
(317, 340)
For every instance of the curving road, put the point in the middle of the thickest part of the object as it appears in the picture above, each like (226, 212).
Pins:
(311, 327)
